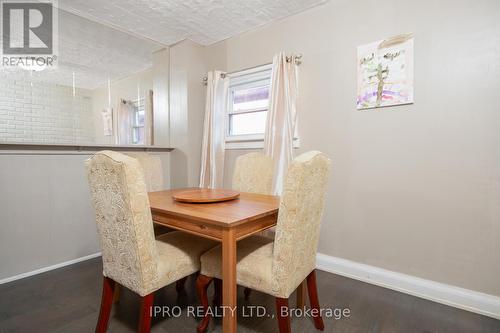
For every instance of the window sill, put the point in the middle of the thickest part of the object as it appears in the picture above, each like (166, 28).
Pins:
(235, 144)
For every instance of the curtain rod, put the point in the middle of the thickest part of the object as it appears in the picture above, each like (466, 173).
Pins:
(297, 58)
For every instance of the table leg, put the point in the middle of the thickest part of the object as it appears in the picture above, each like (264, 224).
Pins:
(229, 280)
(301, 295)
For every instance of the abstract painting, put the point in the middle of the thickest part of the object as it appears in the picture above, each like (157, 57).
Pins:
(385, 72)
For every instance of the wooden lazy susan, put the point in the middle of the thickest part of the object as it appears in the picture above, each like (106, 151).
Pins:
(205, 195)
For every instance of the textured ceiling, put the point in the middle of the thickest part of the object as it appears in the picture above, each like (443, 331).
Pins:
(96, 52)
(202, 21)
(93, 53)
(101, 39)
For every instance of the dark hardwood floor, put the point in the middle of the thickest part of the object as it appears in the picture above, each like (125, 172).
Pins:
(67, 300)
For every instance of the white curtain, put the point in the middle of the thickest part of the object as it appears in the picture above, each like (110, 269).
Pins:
(125, 122)
(212, 153)
(282, 116)
(149, 119)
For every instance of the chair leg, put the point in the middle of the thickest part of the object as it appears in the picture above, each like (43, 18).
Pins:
(117, 293)
(301, 295)
(247, 292)
(106, 304)
(179, 285)
(217, 300)
(313, 299)
(145, 313)
(202, 284)
(282, 313)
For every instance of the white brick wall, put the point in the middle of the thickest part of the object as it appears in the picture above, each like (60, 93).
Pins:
(44, 112)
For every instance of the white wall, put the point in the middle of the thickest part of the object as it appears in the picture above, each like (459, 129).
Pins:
(161, 99)
(414, 189)
(46, 214)
(43, 112)
(187, 108)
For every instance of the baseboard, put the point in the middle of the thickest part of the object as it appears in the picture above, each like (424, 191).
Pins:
(49, 268)
(465, 299)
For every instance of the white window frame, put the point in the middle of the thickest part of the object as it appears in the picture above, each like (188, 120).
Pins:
(139, 105)
(246, 78)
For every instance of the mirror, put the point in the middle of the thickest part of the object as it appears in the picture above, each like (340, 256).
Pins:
(100, 92)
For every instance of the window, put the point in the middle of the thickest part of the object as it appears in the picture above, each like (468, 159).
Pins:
(138, 121)
(248, 102)
(249, 109)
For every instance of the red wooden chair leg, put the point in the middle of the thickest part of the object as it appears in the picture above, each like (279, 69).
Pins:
(217, 300)
(313, 298)
(108, 288)
(282, 313)
(117, 293)
(202, 284)
(145, 313)
(247, 292)
(179, 285)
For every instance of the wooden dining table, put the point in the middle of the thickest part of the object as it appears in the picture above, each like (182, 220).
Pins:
(226, 222)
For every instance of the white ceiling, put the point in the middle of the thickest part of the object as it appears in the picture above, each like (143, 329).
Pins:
(101, 39)
(92, 52)
(202, 21)
(96, 52)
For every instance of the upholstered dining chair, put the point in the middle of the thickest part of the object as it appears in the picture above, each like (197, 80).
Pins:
(131, 255)
(152, 169)
(253, 172)
(277, 267)
(153, 176)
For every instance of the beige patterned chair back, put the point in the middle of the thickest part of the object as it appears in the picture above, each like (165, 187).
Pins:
(299, 218)
(253, 172)
(123, 218)
(152, 168)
